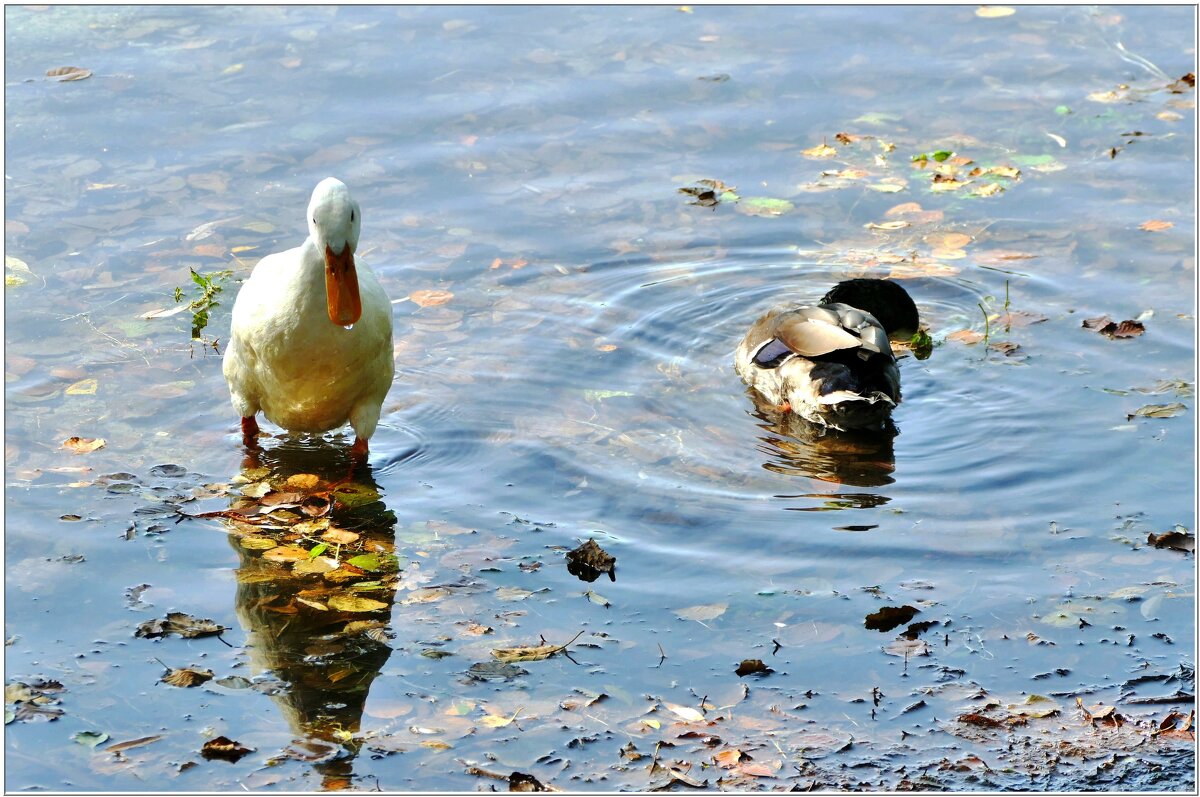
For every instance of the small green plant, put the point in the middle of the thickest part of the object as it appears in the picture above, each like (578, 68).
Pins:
(207, 286)
(987, 325)
(921, 344)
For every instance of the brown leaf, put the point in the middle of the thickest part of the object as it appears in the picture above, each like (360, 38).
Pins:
(728, 758)
(430, 298)
(979, 719)
(589, 560)
(83, 445)
(888, 617)
(1155, 225)
(752, 667)
(340, 536)
(121, 747)
(1175, 540)
(224, 748)
(64, 73)
(967, 336)
(303, 481)
(187, 677)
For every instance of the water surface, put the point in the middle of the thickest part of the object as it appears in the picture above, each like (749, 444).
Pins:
(578, 384)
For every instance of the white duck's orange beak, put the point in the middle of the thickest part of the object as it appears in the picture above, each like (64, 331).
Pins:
(341, 287)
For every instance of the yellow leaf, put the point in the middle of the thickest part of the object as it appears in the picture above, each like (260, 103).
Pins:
(84, 387)
(888, 225)
(498, 721)
(233, 69)
(989, 189)
(257, 543)
(353, 603)
(83, 445)
(237, 250)
(946, 185)
(303, 481)
(886, 188)
(820, 151)
(685, 713)
(436, 744)
(653, 723)
(259, 226)
(286, 553)
(526, 653)
(994, 12)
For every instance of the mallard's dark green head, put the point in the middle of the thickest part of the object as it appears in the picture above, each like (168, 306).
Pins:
(885, 299)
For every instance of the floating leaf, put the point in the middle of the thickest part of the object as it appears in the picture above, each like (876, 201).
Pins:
(822, 150)
(65, 73)
(303, 481)
(121, 747)
(430, 298)
(84, 387)
(889, 617)
(685, 713)
(83, 445)
(353, 603)
(1155, 225)
(1180, 540)
(589, 561)
(224, 748)
(187, 677)
(498, 721)
(764, 206)
(994, 12)
(599, 599)
(599, 395)
(1157, 411)
(1035, 706)
(701, 613)
(179, 623)
(90, 738)
(1107, 327)
(752, 667)
(286, 553)
(354, 495)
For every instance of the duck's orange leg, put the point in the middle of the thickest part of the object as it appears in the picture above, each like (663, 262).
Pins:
(250, 431)
(359, 451)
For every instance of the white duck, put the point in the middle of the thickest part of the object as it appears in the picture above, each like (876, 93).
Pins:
(311, 339)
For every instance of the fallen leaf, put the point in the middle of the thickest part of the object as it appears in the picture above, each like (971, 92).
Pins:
(84, 387)
(430, 298)
(340, 536)
(1157, 411)
(685, 713)
(1180, 540)
(224, 748)
(994, 12)
(83, 445)
(764, 206)
(888, 617)
(121, 747)
(589, 561)
(1035, 706)
(497, 720)
(90, 738)
(187, 677)
(1107, 327)
(1155, 225)
(728, 758)
(822, 150)
(179, 623)
(353, 603)
(303, 481)
(704, 612)
(752, 667)
(64, 73)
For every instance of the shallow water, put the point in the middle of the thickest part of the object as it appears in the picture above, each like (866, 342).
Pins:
(578, 384)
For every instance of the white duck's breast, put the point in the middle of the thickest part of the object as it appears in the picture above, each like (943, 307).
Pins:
(288, 359)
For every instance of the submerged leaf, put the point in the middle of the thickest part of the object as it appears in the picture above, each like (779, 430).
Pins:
(83, 445)
(224, 748)
(353, 603)
(187, 677)
(1157, 411)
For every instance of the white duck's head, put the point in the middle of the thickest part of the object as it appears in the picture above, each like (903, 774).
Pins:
(334, 220)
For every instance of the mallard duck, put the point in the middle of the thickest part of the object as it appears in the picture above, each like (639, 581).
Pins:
(832, 364)
(311, 339)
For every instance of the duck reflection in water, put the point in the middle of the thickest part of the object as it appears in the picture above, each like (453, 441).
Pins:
(796, 447)
(318, 623)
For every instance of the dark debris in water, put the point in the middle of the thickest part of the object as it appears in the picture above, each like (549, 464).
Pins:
(589, 561)
(179, 623)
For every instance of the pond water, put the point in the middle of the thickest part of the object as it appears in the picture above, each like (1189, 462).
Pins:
(564, 321)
